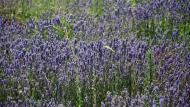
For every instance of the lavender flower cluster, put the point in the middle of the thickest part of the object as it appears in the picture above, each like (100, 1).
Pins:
(171, 87)
(104, 65)
(120, 17)
(101, 59)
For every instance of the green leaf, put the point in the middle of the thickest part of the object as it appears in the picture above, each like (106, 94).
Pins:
(96, 8)
(60, 31)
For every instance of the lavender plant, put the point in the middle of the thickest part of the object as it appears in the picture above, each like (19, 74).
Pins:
(133, 54)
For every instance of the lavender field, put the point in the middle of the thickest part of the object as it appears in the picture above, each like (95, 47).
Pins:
(94, 53)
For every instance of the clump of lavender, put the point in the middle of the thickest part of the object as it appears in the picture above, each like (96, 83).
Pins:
(61, 61)
(104, 65)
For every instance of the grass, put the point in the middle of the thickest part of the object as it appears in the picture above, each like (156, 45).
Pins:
(96, 8)
(150, 72)
(23, 10)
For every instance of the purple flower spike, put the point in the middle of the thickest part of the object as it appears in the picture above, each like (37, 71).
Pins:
(57, 20)
(31, 24)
